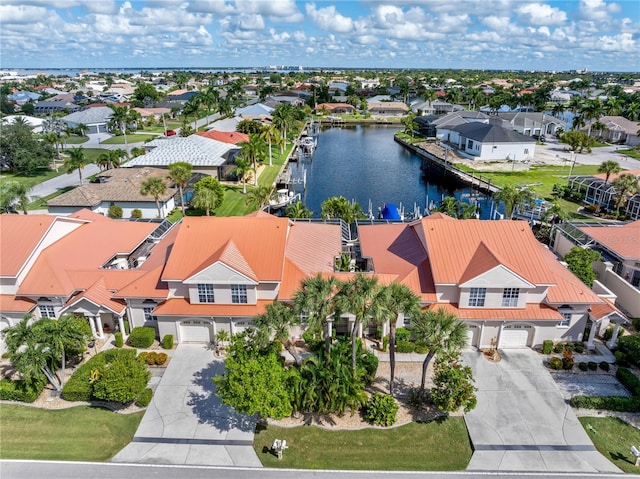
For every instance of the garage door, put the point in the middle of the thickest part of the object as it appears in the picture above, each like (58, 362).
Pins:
(195, 332)
(515, 337)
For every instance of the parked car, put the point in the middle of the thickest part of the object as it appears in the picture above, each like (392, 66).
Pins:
(171, 132)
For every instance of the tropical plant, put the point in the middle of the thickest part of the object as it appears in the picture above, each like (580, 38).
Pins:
(314, 300)
(298, 210)
(453, 385)
(120, 120)
(14, 193)
(608, 167)
(208, 194)
(241, 170)
(443, 334)
(381, 409)
(579, 262)
(340, 207)
(278, 320)
(623, 184)
(254, 151)
(180, 174)
(75, 161)
(259, 196)
(271, 135)
(121, 380)
(410, 124)
(209, 97)
(156, 187)
(514, 198)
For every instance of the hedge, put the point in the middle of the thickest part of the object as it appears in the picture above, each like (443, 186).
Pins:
(20, 390)
(142, 337)
(610, 403)
(119, 340)
(630, 346)
(144, 398)
(167, 341)
(629, 380)
(405, 346)
(547, 346)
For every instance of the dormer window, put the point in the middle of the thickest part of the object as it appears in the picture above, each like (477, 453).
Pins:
(205, 293)
(476, 297)
(510, 297)
(239, 294)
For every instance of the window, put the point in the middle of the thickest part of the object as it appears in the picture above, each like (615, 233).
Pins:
(476, 297)
(47, 311)
(239, 294)
(205, 293)
(510, 297)
(566, 320)
(148, 314)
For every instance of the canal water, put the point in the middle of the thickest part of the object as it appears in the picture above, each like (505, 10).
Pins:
(365, 164)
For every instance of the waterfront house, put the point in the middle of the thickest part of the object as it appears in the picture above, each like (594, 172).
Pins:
(117, 187)
(387, 108)
(335, 108)
(614, 129)
(532, 123)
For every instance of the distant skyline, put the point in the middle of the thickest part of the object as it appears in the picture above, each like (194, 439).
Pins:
(599, 35)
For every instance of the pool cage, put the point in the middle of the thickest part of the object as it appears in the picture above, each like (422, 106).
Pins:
(595, 191)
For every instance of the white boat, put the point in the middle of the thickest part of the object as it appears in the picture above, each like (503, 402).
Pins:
(281, 198)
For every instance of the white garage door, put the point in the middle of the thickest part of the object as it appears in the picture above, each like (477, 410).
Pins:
(195, 332)
(472, 335)
(515, 337)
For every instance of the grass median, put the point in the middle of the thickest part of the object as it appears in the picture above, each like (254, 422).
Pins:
(613, 438)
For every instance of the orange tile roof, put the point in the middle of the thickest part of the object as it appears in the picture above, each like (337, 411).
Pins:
(623, 240)
(19, 237)
(99, 295)
(532, 312)
(259, 240)
(599, 311)
(313, 247)
(233, 137)
(182, 307)
(10, 304)
(292, 276)
(613, 176)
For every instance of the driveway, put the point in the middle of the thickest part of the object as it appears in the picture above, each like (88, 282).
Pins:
(522, 422)
(186, 422)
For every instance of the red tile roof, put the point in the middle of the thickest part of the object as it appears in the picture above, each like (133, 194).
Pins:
(182, 307)
(232, 137)
(10, 304)
(19, 237)
(623, 240)
(532, 312)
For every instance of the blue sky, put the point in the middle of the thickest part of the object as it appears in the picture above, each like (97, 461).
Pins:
(600, 35)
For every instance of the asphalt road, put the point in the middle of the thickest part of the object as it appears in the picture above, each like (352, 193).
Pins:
(85, 470)
(63, 181)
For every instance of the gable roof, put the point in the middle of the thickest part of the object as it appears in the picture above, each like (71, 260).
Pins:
(623, 240)
(19, 237)
(254, 110)
(484, 133)
(233, 137)
(194, 149)
(90, 116)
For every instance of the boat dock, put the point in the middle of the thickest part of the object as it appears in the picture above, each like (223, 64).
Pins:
(439, 155)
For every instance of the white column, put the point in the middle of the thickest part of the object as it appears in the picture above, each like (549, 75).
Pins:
(614, 339)
(592, 334)
(92, 325)
(121, 324)
(232, 327)
(329, 328)
(481, 335)
(99, 327)
(499, 335)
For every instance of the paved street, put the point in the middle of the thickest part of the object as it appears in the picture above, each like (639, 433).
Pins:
(63, 181)
(186, 423)
(522, 422)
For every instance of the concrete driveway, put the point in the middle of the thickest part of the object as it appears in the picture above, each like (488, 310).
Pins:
(186, 423)
(522, 422)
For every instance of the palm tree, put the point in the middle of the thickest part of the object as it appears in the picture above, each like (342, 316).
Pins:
(224, 107)
(208, 194)
(180, 174)
(59, 334)
(119, 120)
(360, 298)
(241, 170)
(109, 159)
(259, 197)
(558, 110)
(15, 192)
(278, 320)
(614, 105)
(271, 135)
(608, 167)
(209, 97)
(591, 110)
(53, 138)
(82, 128)
(254, 151)
(75, 161)
(442, 332)
(410, 124)
(298, 210)
(429, 95)
(155, 187)
(399, 301)
(314, 300)
(513, 198)
(283, 119)
(625, 183)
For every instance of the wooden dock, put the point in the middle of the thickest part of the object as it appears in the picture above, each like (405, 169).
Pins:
(440, 159)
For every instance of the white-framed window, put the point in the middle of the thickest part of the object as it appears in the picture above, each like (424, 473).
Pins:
(476, 297)
(148, 313)
(510, 297)
(566, 320)
(239, 293)
(205, 293)
(47, 311)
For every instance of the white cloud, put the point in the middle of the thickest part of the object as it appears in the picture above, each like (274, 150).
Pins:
(329, 19)
(22, 14)
(541, 14)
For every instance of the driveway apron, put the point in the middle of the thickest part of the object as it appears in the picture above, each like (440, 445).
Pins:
(186, 423)
(522, 422)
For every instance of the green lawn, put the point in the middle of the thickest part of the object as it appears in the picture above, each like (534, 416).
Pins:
(42, 174)
(76, 140)
(633, 153)
(74, 434)
(41, 203)
(159, 127)
(434, 446)
(234, 203)
(135, 138)
(613, 438)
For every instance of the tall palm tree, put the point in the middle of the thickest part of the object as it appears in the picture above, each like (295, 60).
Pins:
(224, 107)
(180, 174)
(271, 135)
(558, 110)
(254, 151)
(16, 193)
(429, 95)
(314, 300)
(59, 334)
(52, 138)
(75, 161)
(591, 110)
(119, 121)
(278, 321)
(155, 187)
(442, 332)
(608, 167)
(399, 301)
(360, 298)
(513, 198)
(241, 170)
(625, 183)
(209, 97)
(283, 119)
(259, 196)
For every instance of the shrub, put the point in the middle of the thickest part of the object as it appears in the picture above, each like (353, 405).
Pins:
(142, 337)
(151, 358)
(604, 365)
(593, 365)
(630, 346)
(136, 213)
(566, 354)
(421, 348)
(5, 355)
(161, 358)
(20, 390)
(608, 334)
(405, 346)
(127, 328)
(569, 347)
(119, 340)
(610, 403)
(381, 409)
(555, 363)
(579, 348)
(402, 334)
(144, 398)
(547, 346)
(370, 364)
(629, 380)
(583, 366)
(636, 324)
(621, 358)
(558, 348)
(567, 363)
(167, 341)
(142, 357)
(115, 211)
(121, 381)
